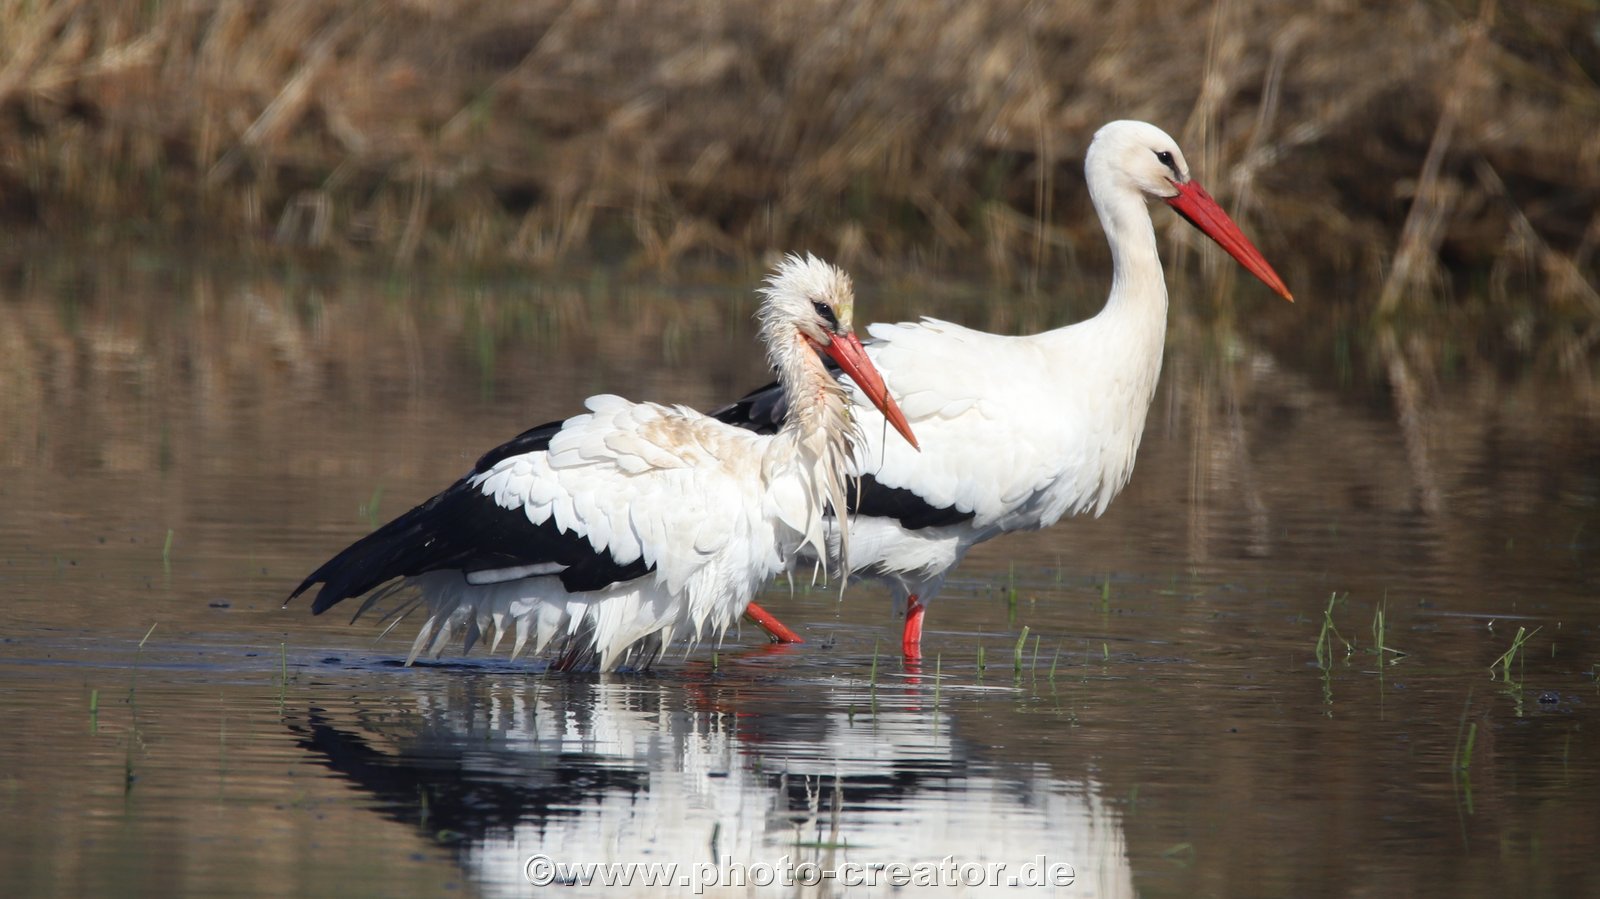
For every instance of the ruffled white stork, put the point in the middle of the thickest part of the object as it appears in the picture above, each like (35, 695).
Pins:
(1020, 431)
(618, 531)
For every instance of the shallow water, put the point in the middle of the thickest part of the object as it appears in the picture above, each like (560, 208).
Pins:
(180, 447)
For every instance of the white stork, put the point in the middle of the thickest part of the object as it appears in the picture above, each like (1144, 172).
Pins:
(615, 532)
(1018, 431)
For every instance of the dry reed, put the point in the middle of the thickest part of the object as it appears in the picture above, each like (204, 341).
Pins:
(886, 133)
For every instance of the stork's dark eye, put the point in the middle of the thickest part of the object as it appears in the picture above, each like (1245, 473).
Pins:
(827, 314)
(1165, 158)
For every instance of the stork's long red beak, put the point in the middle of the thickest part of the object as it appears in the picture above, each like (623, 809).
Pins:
(1194, 204)
(852, 358)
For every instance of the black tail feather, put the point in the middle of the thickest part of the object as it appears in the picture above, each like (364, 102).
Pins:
(463, 529)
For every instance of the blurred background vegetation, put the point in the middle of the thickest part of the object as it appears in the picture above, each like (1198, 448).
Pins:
(1387, 156)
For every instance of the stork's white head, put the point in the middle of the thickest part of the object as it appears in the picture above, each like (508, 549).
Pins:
(1136, 156)
(807, 295)
(1131, 161)
(807, 310)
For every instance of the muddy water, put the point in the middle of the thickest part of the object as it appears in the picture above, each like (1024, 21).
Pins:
(177, 448)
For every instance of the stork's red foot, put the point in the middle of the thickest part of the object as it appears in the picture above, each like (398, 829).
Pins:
(776, 630)
(911, 638)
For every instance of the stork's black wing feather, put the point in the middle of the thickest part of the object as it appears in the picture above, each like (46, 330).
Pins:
(762, 410)
(463, 529)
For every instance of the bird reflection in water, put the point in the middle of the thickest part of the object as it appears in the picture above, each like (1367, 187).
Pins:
(498, 768)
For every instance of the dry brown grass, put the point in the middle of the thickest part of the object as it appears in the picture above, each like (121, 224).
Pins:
(946, 135)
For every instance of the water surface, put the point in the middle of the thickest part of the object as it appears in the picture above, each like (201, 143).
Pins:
(179, 447)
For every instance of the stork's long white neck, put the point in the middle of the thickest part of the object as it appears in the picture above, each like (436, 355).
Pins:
(814, 446)
(1136, 311)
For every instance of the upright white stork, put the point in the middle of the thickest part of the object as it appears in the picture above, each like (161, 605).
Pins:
(615, 532)
(1018, 431)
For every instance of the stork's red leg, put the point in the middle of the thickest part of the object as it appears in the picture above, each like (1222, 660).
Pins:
(776, 630)
(911, 639)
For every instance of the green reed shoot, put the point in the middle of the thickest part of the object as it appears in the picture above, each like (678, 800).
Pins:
(166, 558)
(1011, 595)
(981, 665)
(1466, 737)
(1515, 653)
(133, 713)
(1464, 757)
(369, 509)
(1329, 634)
(1179, 852)
(874, 677)
(222, 742)
(1016, 651)
(1379, 631)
